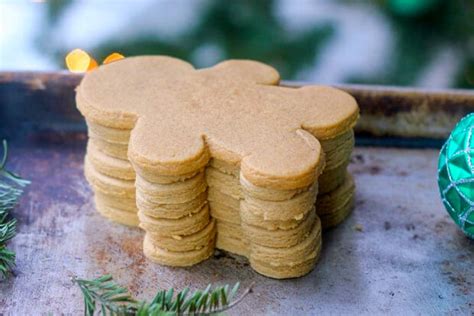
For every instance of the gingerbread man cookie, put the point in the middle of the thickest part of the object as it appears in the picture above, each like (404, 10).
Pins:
(222, 156)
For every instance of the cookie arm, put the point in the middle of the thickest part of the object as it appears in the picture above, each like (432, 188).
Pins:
(330, 111)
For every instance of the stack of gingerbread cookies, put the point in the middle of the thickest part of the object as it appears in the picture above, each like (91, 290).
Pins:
(174, 213)
(277, 229)
(222, 157)
(336, 187)
(110, 173)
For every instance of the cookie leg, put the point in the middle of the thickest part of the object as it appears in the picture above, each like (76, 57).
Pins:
(171, 194)
(175, 217)
(284, 234)
(224, 201)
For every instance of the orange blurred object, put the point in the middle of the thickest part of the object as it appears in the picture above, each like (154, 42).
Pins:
(113, 57)
(80, 61)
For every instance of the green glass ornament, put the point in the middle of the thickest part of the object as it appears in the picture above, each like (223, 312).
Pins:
(456, 175)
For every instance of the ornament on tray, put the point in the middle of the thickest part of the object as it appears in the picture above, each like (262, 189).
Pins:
(456, 175)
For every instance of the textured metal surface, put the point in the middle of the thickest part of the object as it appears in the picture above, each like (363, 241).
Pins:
(404, 114)
(398, 253)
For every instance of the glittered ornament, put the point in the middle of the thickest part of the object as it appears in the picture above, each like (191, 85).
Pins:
(456, 174)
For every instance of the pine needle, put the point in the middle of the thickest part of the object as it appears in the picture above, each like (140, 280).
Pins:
(103, 292)
(11, 189)
(104, 295)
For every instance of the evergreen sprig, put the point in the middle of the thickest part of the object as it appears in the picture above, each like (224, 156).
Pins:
(104, 292)
(104, 295)
(11, 189)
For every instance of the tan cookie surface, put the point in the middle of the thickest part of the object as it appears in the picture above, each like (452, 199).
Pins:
(268, 224)
(288, 271)
(273, 136)
(175, 227)
(171, 193)
(295, 208)
(233, 245)
(289, 262)
(266, 194)
(333, 207)
(228, 168)
(338, 216)
(214, 195)
(191, 242)
(176, 258)
(126, 204)
(112, 135)
(329, 202)
(231, 238)
(225, 183)
(108, 185)
(280, 238)
(115, 150)
(224, 212)
(332, 178)
(108, 165)
(157, 209)
(119, 215)
(338, 149)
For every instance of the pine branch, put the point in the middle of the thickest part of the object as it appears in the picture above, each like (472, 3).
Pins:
(103, 292)
(7, 261)
(8, 174)
(11, 189)
(108, 297)
(7, 229)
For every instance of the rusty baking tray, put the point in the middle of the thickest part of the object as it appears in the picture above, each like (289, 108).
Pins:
(398, 253)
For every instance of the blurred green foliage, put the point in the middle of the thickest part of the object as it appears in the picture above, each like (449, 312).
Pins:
(422, 28)
(55, 8)
(240, 29)
(249, 29)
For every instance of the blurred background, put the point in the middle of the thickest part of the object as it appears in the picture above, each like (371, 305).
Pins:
(426, 43)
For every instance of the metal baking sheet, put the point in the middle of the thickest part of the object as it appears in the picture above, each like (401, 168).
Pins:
(398, 253)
